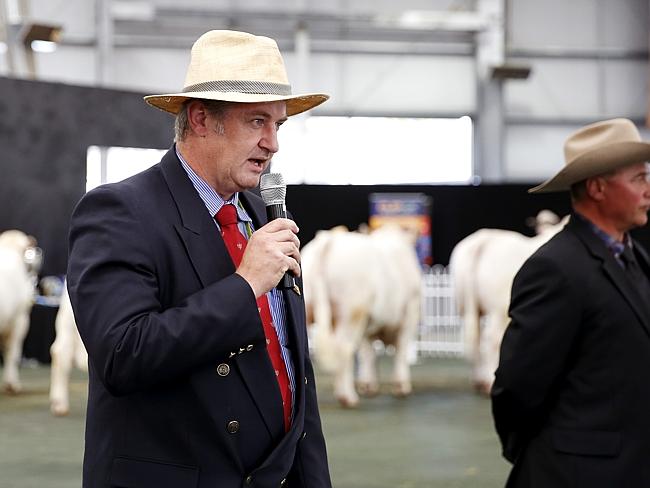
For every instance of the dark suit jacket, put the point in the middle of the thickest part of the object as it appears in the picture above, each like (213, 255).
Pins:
(182, 392)
(571, 400)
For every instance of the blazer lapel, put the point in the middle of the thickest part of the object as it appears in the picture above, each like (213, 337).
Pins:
(614, 271)
(209, 259)
(642, 257)
(197, 230)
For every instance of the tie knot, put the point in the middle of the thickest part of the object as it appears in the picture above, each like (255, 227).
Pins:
(227, 215)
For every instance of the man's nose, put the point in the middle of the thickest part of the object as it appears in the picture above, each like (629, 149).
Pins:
(269, 140)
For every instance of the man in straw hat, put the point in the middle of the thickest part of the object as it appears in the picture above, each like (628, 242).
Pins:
(199, 368)
(572, 390)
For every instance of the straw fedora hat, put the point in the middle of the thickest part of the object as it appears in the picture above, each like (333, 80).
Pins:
(236, 67)
(597, 149)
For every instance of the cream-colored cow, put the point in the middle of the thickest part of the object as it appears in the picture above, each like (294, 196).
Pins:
(16, 300)
(483, 266)
(360, 288)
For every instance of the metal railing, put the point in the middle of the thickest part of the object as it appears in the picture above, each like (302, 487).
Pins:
(440, 331)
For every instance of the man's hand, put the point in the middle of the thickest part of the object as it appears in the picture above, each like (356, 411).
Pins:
(271, 251)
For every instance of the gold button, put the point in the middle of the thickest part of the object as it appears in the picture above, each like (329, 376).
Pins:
(305, 380)
(277, 373)
(304, 434)
(249, 480)
(268, 341)
(233, 427)
(283, 483)
(223, 369)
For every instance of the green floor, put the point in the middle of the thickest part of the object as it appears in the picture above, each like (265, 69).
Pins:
(441, 436)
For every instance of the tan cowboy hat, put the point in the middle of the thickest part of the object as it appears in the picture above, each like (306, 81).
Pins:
(236, 67)
(597, 149)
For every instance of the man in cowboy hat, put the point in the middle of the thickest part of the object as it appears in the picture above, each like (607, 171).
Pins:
(199, 368)
(572, 390)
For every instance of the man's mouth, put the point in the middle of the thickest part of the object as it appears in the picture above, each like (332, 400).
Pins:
(258, 162)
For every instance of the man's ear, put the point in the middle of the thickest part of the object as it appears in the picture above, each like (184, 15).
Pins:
(595, 187)
(197, 116)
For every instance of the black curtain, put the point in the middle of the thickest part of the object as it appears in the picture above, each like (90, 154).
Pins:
(45, 131)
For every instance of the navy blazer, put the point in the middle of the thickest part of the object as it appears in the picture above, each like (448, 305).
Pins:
(572, 391)
(182, 391)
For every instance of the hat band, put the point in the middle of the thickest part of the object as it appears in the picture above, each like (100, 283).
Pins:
(241, 86)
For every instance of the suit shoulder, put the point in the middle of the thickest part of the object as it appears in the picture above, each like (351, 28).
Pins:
(564, 255)
(147, 182)
(561, 244)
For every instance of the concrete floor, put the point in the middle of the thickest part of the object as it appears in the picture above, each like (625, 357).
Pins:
(441, 436)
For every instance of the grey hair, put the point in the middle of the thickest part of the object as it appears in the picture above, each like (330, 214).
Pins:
(216, 108)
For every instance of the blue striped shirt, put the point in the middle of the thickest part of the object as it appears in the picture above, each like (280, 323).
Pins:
(213, 202)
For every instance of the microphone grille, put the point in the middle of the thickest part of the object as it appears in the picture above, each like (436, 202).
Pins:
(273, 189)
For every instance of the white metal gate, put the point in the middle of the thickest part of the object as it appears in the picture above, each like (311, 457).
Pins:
(440, 329)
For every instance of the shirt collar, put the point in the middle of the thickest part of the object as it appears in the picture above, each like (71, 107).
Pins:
(614, 246)
(211, 199)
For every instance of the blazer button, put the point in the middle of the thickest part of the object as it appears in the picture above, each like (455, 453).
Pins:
(283, 483)
(305, 380)
(233, 427)
(223, 369)
(249, 347)
(249, 480)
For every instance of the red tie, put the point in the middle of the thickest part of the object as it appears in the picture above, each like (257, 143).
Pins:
(236, 243)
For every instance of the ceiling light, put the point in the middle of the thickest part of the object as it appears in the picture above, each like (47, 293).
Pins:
(43, 46)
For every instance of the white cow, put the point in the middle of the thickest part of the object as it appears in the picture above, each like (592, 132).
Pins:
(360, 288)
(483, 266)
(66, 350)
(16, 300)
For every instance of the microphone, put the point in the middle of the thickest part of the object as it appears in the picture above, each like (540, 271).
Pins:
(274, 192)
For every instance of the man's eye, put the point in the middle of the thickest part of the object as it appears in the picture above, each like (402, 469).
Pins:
(643, 177)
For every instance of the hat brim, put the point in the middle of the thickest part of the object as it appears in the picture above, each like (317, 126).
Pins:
(296, 104)
(596, 162)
